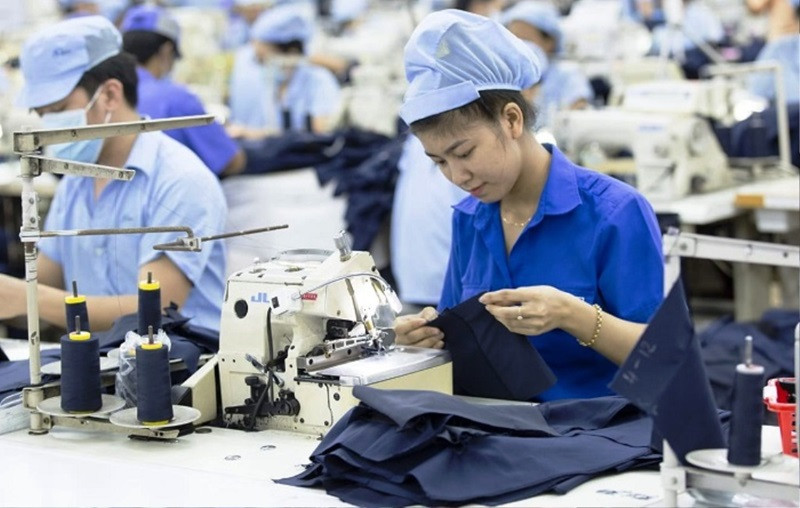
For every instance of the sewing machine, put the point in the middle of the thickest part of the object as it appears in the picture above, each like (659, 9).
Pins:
(663, 125)
(298, 332)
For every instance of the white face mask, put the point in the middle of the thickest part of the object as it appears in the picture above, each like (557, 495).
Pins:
(87, 150)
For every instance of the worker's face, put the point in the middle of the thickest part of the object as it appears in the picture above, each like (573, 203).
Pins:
(482, 158)
(532, 34)
(265, 51)
(78, 99)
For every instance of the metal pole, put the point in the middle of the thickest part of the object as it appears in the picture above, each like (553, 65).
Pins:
(783, 119)
(30, 223)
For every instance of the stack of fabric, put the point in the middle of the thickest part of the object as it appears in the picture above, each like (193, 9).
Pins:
(402, 447)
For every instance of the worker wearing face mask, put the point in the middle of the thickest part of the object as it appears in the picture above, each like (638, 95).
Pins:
(75, 75)
(283, 91)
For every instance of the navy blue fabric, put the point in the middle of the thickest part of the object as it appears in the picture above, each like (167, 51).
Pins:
(488, 359)
(403, 406)
(366, 172)
(362, 164)
(188, 341)
(471, 453)
(757, 136)
(665, 377)
(15, 375)
(289, 150)
(773, 343)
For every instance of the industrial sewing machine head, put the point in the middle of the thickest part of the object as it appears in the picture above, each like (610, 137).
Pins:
(300, 330)
(663, 130)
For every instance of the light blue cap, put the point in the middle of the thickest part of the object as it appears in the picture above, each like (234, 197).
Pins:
(54, 58)
(343, 11)
(452, 55)
(796, 3)
(540, 15)
(541, 57)
(282, 24)
(152, 18)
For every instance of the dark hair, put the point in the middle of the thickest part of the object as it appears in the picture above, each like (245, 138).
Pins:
(487, 108)
(122, 67)
(464, 5)
(295, 46)
(143, 44)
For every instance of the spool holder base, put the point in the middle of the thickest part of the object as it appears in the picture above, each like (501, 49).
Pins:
(52, 407)
(183, 415)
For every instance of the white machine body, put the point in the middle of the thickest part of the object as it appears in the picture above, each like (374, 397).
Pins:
(664, 126)
(331, 316)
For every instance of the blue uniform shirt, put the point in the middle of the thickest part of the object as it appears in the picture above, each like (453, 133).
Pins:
(592, 236)
(250, 89)
(161, 98)
(171, 187)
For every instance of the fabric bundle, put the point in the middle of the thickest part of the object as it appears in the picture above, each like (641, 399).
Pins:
(402, 447)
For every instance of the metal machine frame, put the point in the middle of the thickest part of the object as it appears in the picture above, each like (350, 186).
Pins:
(28, 146)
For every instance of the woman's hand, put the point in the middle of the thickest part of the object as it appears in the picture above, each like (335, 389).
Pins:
(411, 330)
(532, 310)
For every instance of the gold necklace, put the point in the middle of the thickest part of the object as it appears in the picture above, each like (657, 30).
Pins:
(512, 223)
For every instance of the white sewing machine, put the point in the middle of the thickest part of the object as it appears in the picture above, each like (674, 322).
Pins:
(663, 125)
(299, 331)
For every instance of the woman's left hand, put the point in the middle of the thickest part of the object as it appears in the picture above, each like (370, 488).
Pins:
(532, 310)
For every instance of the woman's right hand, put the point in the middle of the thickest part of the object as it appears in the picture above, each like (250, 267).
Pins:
(411, 330)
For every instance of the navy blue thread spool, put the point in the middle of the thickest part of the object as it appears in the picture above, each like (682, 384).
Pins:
(149, 305)
(80, 372)
(744, 444)
(75, 305)
(153, 383)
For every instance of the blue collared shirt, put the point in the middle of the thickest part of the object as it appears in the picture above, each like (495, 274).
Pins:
(162, 98)
(171, 187)
(592, 236)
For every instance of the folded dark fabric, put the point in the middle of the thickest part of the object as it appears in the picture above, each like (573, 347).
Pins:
(488, 359)
(665, 377)
(15, 374)
(401, 447)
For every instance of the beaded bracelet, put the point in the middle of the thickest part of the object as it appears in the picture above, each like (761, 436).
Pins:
(598, 323)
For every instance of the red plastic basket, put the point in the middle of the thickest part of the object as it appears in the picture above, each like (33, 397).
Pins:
(777, 400)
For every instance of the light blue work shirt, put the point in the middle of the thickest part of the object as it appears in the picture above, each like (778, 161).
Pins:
(162, 98)
(313, 91)
(786, 51)
(171, 187)
(592, 236)
(421, 229)
(699, 23)
(250, 91)
(563, 84)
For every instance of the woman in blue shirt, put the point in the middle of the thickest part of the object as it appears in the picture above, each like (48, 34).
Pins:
(567, 256)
